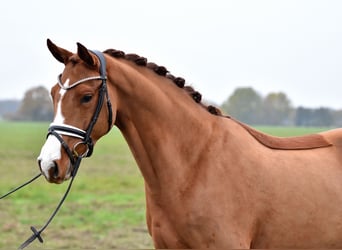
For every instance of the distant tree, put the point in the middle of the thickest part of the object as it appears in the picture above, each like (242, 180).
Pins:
(276, 109)
(245, 105)
(36, 106)
(303, 116)
(323, 117)
(314, 117)
(337, 116)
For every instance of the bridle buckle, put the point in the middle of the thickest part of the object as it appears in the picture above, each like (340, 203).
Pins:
(86, 149)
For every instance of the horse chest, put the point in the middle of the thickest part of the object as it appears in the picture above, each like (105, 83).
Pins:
(179, 230)
(183, 226)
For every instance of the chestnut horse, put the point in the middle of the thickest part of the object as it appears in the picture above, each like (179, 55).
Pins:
(210, 180)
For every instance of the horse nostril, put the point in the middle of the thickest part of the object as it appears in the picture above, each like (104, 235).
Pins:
(50, 170)
(55, 170)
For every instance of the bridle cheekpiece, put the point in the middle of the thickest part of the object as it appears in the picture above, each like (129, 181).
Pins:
(58, 130)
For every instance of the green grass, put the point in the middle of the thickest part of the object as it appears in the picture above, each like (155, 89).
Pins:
(105, 208)
(289, 131)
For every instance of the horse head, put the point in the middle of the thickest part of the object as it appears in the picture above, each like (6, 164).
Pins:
(80, 116)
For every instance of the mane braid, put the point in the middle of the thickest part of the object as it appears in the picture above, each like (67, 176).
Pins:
(162, 71)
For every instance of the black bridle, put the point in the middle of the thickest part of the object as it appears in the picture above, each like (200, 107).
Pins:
(58, 130)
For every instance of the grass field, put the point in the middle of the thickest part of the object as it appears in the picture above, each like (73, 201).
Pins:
(105, 208)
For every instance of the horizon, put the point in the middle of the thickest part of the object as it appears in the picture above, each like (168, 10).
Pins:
(204, 99)
(288, 46)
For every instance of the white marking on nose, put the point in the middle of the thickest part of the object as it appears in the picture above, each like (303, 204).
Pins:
(51, 150)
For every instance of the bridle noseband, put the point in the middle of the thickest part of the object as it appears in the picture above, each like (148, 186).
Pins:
(58, 130)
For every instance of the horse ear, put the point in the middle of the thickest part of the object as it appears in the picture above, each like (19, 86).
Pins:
(60, 54)
(84, 54)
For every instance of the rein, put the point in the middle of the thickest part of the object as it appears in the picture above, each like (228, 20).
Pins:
(37, 233)
(58, 130)
(21, 186)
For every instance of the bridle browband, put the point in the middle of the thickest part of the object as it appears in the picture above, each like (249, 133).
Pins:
(58, 130)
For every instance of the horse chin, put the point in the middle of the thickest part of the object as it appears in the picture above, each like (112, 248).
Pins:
(68, 173)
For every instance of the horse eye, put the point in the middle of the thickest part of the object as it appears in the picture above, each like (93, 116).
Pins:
(86, 98)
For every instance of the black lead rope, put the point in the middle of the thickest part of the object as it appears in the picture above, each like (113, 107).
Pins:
(86, 140)
(37, 233)
(103, 93)
(23, 185)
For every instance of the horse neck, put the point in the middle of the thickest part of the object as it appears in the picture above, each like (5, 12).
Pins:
(164, 128)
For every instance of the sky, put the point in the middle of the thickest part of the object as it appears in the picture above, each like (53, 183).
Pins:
(292, 46)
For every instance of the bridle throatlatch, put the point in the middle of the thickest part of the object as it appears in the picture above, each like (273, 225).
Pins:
(59, 130)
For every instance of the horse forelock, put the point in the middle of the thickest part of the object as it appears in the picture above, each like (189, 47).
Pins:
(162, 71)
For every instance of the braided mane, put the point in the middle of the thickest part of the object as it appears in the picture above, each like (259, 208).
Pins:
(162, 71)
(292, 143)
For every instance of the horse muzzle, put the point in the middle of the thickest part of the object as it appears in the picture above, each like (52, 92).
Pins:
(53, 171)
(54, 166)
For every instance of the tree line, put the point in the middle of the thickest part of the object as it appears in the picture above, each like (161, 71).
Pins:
(247, 105)
(244, 104)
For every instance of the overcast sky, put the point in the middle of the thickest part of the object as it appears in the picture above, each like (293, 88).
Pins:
(293, 46)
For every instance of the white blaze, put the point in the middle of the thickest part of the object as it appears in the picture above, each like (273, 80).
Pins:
(51, 150)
